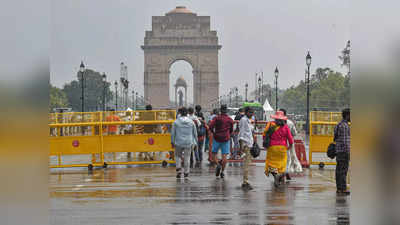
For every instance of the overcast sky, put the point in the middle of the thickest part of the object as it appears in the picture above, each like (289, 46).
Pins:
(254, 36)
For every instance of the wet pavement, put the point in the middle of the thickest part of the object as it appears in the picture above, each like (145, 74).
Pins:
(152, 195)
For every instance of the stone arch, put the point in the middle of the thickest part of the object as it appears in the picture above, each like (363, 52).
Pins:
(181, 35)
(175, 58)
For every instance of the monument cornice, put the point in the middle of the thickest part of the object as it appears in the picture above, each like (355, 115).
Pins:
(180, 47)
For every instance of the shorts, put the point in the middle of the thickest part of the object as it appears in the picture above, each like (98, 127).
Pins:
(224, 146)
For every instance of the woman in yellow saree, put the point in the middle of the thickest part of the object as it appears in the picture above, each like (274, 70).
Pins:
(279, 135)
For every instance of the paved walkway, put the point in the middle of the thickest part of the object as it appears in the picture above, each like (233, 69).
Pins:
(152, 195)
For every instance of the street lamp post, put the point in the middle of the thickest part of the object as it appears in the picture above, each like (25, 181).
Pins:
(126, 89)
(348, 56)
(246, 87)
(276, 88)
(230, 97)
(259, 89)
(237, 95)
(133, 99)
(82, 71)
(262, 86)
(104, 77)
(136, 98)
(308, 62)
(116, 95)
(255, 91)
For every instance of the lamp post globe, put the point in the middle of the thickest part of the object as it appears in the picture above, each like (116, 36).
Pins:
(308, 59)
(82, 67)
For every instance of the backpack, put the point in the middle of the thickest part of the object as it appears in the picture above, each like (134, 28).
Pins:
(331, 151)
(267, 139)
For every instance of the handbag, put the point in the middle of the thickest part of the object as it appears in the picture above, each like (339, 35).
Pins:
(255, 150)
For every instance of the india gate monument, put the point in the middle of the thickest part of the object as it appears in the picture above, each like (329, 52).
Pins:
(181, 35)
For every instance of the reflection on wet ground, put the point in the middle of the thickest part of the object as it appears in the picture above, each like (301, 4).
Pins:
(152, 195)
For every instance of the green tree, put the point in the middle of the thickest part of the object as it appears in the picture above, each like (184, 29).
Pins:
(93, 91)
(58, 98)
(329, 90)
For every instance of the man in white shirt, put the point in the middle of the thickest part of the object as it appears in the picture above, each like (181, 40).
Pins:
(246, 140)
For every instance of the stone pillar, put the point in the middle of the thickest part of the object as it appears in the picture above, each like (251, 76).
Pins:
(155, 91)
(208, 88)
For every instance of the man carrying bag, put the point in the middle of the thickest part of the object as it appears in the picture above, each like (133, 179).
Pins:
(246, 141)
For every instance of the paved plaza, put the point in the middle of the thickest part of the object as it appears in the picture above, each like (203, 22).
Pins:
(152, 195)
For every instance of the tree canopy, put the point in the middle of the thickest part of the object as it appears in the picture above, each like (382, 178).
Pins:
(58, 98)
(93, 91)
(329, 91)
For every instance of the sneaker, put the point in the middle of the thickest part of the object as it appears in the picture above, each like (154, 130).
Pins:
(178, 175)
(288, 176)
(222, 175)
(186, 175)
(282, 178)
(276, 179)
(247, 186)
(342, 192)
(218, 170)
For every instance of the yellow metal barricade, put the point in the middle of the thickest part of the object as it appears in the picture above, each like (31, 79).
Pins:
(322, 126)
(103, 134)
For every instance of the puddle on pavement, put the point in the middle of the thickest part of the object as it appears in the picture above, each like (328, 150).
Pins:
(137, 194)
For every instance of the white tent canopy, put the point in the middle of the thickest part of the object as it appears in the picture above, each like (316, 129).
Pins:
(268, 110)
(267, 106)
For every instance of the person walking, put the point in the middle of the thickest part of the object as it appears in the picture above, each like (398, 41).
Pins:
(342, 139)
(246, 140)
(183, 135)
(236, 151)
(215, 113)
(113, 117)
(279, 135)
(195, 145)
(201, 134)
(293, 163)
(148, 129)
(198, 112)
(221, 127)
(209, 137)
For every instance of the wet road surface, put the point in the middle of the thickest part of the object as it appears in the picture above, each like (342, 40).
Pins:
(152, 195)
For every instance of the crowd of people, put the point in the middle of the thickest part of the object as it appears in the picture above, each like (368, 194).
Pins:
(192, 134)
